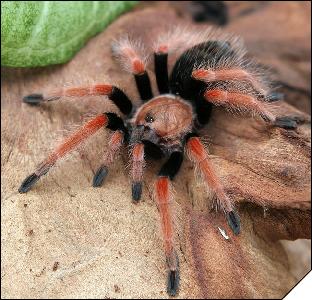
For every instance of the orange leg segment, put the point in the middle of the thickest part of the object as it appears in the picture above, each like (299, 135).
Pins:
(162, 197)
(239, 101)
(136, 63)
(133, 58)
(113, 93)
(67, 146)
(131, 55)
(80, 91)
(114, 146)
(197, 153)
(235, 74)
(137, 168)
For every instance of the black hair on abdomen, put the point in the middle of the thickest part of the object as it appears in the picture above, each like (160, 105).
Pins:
(181, 81)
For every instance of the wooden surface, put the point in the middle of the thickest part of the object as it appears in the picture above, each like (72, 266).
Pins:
(67, 239)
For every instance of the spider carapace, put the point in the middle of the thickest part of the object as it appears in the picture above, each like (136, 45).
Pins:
(211, 69)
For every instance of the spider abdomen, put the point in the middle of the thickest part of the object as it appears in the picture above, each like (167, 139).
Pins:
(181, 80)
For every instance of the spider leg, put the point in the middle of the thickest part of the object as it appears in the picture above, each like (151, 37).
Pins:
(233, 74)
(133, 60)
(286, 122)
(239, 101)
(113, 93)
(114, 145)
(161, 69)
(144, 86)
(137, 169)
(197, 153)
(108, 120)
(139, 151)
(162, 197)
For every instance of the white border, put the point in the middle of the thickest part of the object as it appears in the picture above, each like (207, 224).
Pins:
(303, 290)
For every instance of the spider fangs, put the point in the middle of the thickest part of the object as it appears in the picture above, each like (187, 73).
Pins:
(210, 70)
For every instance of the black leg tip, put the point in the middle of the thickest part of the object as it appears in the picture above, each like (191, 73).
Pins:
(173, 283)
(286, 123)
(233, 221)
(99, 176)
(136, 191)
(28, 183)
(275, 96)
(33, 99)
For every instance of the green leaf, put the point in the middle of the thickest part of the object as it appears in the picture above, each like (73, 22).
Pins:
(40, 33)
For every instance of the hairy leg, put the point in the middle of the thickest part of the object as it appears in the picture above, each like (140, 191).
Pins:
(162, 197)
(137, 169)
(240, 101)
(108, 120)
(113, 93)
(133, 59)
(114, 146)
(233, 74)
(161, 68)
(198, 154)
(246, 102)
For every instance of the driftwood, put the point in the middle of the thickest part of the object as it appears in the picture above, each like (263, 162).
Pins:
(67, 239)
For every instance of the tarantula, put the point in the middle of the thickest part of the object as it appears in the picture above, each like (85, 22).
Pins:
(211, 70)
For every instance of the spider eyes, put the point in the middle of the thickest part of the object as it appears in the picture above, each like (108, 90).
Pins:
(149, 118)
